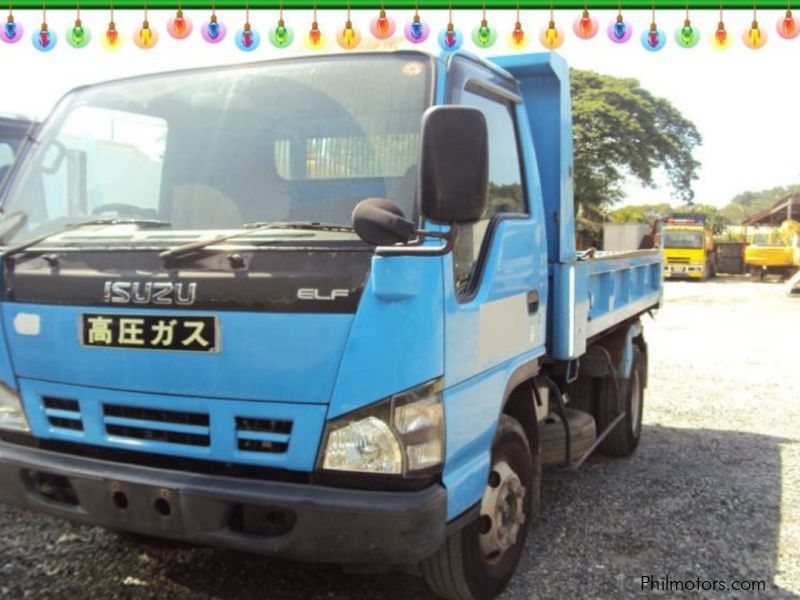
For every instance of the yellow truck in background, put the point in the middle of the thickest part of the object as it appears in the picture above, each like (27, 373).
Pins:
(773, 250)
(689, 250)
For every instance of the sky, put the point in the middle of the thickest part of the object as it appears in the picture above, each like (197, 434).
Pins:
(743, 101)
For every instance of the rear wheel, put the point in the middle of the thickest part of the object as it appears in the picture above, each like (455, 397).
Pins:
(624, 438)
(477, 562)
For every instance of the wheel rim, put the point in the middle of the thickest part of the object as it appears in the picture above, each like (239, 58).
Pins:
(636, 402)
(502, 511)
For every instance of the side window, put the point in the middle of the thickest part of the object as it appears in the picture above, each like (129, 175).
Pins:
(505, 184)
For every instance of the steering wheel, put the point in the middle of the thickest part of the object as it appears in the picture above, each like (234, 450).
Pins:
(125, 210)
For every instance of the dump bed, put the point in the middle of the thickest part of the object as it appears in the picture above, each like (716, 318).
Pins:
(590, 293)
(591, 296)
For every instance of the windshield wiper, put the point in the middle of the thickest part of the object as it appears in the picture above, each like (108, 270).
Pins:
(248, 228)
(310, 226)
(22, 246)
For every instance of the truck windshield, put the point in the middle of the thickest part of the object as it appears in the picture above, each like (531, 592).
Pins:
(300, 140)
(683, 239)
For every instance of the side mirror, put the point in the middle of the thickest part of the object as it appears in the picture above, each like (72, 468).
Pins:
(454, 176)
(380, 221)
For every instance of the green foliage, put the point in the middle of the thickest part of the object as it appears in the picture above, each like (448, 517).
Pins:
(620, 130)
(715, 220)
(647, 213)
(746, 204)
(642, 213)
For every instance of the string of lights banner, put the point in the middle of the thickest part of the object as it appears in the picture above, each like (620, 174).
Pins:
(383, 25)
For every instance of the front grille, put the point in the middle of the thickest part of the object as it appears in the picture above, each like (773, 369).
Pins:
(156, 425)
(63, 413)
(263, 435)
(677, 260)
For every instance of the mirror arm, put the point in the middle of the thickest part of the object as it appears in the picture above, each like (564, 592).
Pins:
(419, 250)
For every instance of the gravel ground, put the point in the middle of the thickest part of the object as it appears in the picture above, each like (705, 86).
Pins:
(714, 491)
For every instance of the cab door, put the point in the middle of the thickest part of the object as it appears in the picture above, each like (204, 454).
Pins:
(495, 285)
(496, 276)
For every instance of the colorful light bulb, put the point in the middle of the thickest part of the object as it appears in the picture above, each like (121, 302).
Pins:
(754, 36)
(653, 39)
(349, 37)
(12, 31)
(551, 36)
(721, 39)
(416, 31)
(111, 40)
(281, 36)
(687, 36)
(43, 39)
(484, 36)
(382, 26)
(247, 38)
(78, 36)
(144, 37)
(314, 40)
(585, 26)
(619, 30)
(213, 32)
(518, 40)
(450, 38)
(179, 27)
(788, 27)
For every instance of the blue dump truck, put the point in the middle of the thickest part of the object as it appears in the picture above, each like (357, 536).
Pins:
(328, 309)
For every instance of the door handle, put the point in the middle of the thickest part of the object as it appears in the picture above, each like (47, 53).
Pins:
(533, 302)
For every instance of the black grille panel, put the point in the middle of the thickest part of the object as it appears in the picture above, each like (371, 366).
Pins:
(64, 413)
(264, 425)
(263, 446)
(61, 404)
(157, 425)
(152, 414)
(157, 435)
(269, 436)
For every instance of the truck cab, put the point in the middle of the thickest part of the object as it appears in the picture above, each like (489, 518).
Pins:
(689, 250)
(326, 309)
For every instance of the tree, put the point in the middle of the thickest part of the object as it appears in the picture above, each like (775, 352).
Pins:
(620, 130)
(640, 213)
(715, 220)
(647, 213)
(746, 204)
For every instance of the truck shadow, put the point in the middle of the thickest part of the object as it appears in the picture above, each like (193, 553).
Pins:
(691, 503)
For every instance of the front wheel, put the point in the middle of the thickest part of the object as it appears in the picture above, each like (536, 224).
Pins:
(477, 562)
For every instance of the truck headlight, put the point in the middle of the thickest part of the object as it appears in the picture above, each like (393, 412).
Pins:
(12, 415)
(401, 435)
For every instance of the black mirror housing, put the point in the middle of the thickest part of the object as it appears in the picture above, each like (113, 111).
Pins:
(454, 164)
(381, 222)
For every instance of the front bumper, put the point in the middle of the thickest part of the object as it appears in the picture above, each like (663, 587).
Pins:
(288, 520)
(688, 270)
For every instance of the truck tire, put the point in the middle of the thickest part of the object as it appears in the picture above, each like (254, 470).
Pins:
(624, 438)
(477, 562)
(552, 439)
